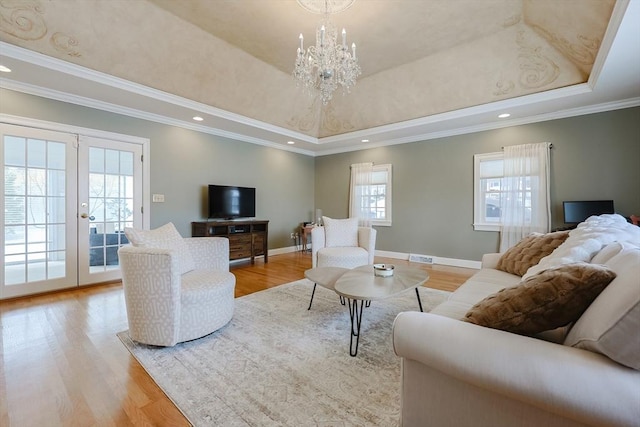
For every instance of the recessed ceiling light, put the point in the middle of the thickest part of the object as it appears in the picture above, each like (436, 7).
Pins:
(504, 115)
(198, 119)
(290, 142)
(365, 140)
(5, 69)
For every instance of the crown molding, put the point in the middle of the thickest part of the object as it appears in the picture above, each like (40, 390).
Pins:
(139, 114)
(498, 106)
(101, 78)
(573, 112)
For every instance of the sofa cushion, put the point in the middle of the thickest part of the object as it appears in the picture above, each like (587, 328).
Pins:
(529, 251)
(340, 232)
(485, 282)
(611, 323)
(165, 237)
(551, 299)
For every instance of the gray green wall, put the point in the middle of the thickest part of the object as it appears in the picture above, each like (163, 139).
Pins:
(595, 156)
(184, 162)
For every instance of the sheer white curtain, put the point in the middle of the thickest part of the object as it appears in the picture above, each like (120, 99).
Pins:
(525, 200)
(361, 177)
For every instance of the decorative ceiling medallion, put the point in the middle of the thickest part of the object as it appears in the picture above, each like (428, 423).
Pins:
(322, 7)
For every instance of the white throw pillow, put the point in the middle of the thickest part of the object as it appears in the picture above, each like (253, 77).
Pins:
(165, 237)
(611, 323)
(340, 232)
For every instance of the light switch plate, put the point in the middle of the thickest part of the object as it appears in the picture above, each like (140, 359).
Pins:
(158, 198)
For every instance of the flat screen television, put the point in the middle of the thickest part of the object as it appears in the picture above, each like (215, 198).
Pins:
(228, 202)
(577, 211)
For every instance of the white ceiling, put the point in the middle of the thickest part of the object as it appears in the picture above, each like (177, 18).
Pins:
(438, 62)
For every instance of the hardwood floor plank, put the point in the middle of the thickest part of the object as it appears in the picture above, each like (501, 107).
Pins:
(63, 365)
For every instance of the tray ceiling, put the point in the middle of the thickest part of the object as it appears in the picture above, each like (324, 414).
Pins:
(420, 59)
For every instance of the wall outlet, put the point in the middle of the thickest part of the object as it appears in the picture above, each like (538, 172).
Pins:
(424, 259)
(293, 236)
(158, 198)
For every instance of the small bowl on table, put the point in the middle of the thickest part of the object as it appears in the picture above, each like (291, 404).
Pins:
(383, 270)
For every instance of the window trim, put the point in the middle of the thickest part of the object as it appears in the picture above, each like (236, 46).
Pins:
(478, 223)
(388, 195)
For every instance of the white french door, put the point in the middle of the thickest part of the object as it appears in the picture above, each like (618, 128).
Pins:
(65, 202)
(109, 199)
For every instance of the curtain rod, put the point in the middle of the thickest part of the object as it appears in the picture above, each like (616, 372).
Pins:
(550, 147)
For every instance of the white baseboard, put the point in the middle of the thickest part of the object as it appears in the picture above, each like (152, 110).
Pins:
(285, 250)
(436, 260)
(453, 262)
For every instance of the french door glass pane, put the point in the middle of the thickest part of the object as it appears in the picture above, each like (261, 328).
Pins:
(34, 200)
(110, 205)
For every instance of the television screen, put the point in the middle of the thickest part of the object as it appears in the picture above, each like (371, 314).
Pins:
(576, 212)
(229, 202)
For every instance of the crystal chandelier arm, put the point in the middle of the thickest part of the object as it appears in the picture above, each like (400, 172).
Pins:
(327, 64)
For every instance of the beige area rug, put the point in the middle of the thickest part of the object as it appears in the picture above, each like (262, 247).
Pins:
(278, 364)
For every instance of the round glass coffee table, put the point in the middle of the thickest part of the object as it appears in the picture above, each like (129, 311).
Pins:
(359, 286)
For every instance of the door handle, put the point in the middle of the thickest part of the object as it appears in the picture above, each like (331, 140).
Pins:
(84, 215)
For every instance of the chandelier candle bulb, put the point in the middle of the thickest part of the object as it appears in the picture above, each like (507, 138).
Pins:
(344, 37)
(301, 43)
(353, 47)
(322, 36)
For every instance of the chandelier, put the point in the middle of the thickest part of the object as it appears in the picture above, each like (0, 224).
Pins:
(329, 63)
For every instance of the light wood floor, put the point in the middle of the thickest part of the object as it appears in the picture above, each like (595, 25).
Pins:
(62, 364)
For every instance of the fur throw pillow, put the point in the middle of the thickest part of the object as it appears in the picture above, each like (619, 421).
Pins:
(529, 251)
(549, 300)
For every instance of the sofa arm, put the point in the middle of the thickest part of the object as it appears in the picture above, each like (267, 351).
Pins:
(490, 260)
(570, 382)
(317, 243)
(209, 253)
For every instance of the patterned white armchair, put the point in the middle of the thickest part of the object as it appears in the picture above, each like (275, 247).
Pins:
(341, 243)
(176, 289)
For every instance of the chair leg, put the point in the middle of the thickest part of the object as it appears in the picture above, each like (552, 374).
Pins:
(342, 300)
(312, 293)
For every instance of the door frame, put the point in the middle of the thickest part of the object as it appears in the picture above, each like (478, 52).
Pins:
(100, 134)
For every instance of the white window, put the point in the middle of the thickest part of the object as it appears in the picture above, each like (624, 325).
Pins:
(487, 191)
(373, 197)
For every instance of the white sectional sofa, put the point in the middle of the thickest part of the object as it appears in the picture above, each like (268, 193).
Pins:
(456, 373)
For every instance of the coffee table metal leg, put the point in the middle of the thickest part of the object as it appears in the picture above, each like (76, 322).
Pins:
(355, 313)
(312, 293)
(419, 301)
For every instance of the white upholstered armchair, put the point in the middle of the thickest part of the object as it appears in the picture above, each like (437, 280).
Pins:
(341, 243)
(176, 289)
